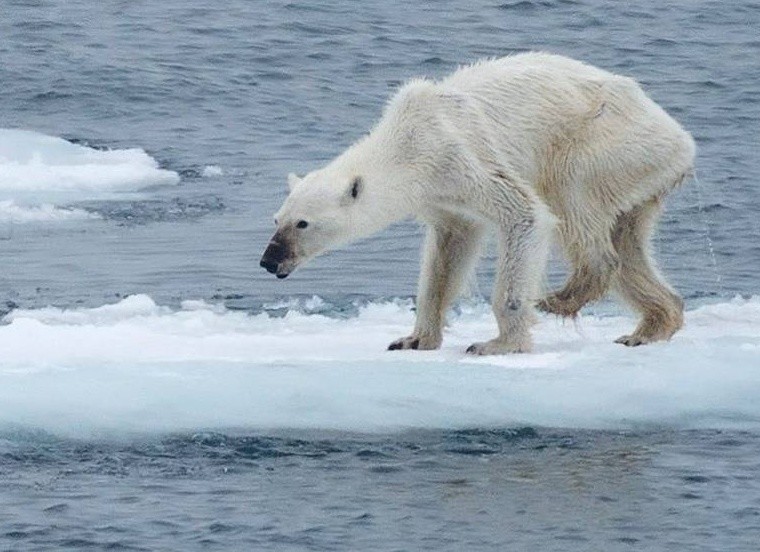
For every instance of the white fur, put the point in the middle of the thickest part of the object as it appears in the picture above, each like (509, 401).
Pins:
(523, 144)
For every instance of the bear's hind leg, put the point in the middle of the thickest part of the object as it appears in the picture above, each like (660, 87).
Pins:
(594, 265)
(587, 243)
(451, 248)
(639, 281)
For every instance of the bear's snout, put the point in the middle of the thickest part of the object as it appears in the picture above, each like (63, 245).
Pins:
(268, 265)
(273, 258)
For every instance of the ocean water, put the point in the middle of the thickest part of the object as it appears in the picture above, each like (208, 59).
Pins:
(160, 391)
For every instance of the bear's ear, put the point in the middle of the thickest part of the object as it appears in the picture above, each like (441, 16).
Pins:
(293, 179)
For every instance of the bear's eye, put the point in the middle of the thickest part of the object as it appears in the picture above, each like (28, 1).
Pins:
(302, 224)
(355, 185)
(275, 222)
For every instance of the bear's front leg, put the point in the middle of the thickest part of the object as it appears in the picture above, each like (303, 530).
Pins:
(451, 247)
(514, 322)
(524, 234)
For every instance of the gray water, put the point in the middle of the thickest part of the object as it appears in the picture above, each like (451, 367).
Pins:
(264, 88)
(518, 489)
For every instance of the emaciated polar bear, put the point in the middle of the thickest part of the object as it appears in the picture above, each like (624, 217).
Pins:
(534, 145)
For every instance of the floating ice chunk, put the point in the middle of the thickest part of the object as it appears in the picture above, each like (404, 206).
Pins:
(18, 214)
(33, 163)
(211, 171)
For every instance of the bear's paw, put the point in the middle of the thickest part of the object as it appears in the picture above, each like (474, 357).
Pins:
(420, 343)
(631, 340)
(559, 305)
(500, 347)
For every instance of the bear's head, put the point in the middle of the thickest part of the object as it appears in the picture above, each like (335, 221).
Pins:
(324, 210)
(371, 185)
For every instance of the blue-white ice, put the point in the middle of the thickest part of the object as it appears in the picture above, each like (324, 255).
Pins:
(40, 173)
(139, 366)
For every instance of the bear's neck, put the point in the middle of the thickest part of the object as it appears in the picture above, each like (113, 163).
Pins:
(392, 192)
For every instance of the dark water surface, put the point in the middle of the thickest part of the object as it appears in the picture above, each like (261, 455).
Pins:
(264, 88)
(519, 489)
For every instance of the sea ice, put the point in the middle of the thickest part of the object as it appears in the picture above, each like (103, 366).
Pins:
(135, 365)
(39, 173)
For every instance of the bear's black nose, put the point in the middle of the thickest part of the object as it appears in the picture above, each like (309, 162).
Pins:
(268, 265)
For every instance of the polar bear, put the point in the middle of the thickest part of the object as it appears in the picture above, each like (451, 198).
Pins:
(536, 146)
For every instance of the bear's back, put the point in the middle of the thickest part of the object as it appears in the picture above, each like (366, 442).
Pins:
(526, 70)
(540, 96)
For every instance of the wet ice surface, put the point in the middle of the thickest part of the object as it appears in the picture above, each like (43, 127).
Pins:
(139, 366)
(521, 488)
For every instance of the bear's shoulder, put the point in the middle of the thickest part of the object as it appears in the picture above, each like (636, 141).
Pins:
(415, 97)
